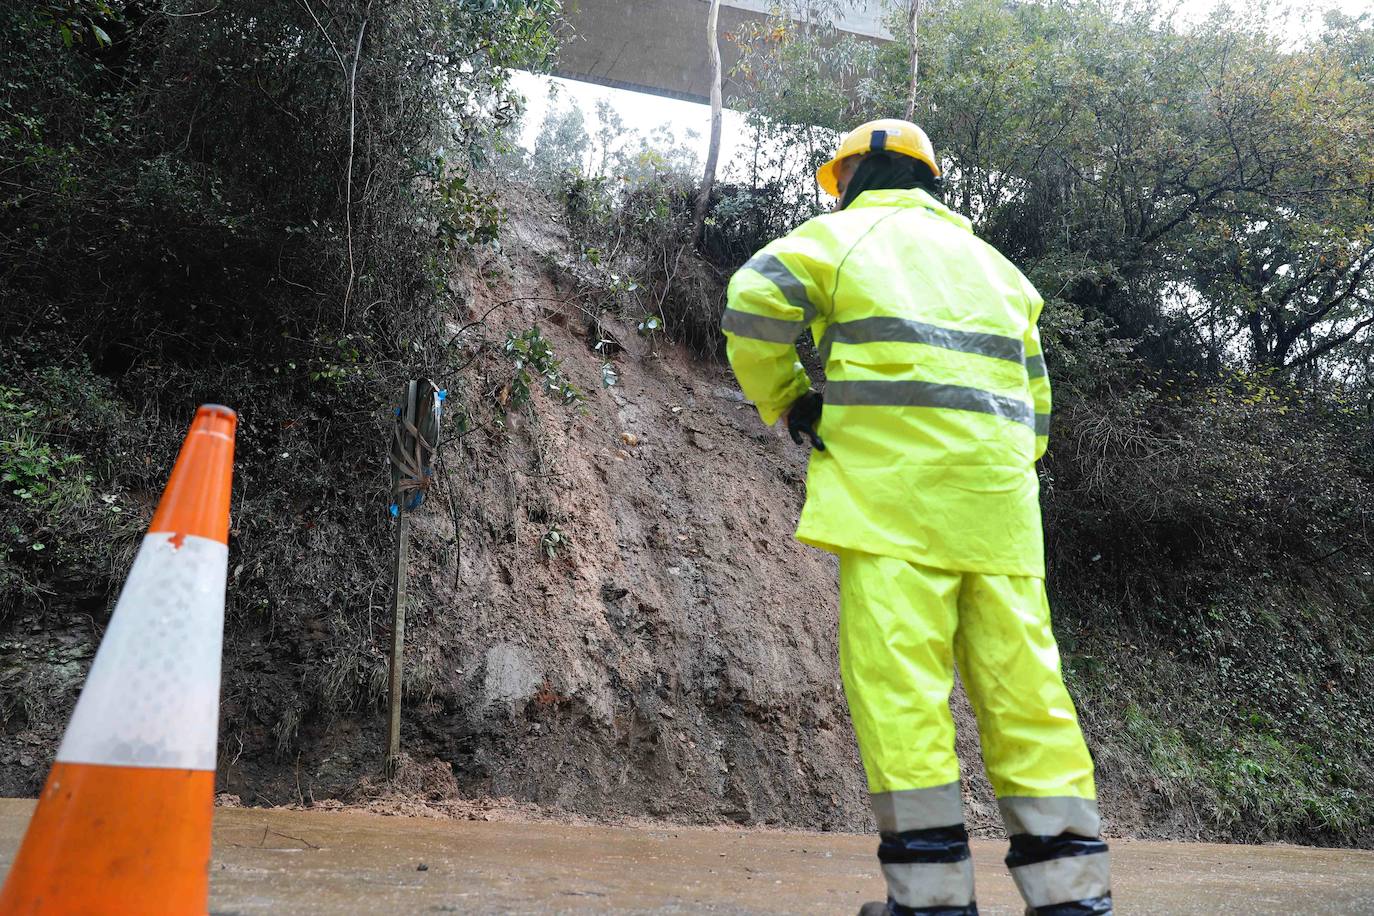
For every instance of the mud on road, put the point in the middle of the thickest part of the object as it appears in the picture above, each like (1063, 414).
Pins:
(346, 862)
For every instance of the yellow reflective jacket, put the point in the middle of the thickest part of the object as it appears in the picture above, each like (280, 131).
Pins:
(937, 404)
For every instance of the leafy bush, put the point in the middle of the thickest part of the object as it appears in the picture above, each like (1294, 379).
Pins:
(66, 517)
(743, 219)
(254, 203)
(535, 365)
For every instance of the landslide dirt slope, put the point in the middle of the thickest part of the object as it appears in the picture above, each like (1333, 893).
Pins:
(676, 656)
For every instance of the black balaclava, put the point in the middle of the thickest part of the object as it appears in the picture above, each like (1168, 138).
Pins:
(881, 169)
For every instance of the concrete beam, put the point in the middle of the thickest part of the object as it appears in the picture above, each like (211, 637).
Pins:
(659, 46)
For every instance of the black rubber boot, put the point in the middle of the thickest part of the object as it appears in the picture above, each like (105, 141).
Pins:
(873, 908)
(1095, 906)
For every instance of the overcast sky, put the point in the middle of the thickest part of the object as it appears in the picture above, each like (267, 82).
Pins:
(648, 112)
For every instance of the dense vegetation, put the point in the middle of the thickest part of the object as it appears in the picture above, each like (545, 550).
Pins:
(259, 203)
(254, 203)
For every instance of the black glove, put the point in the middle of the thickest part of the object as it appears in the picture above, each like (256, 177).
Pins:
(804, 416)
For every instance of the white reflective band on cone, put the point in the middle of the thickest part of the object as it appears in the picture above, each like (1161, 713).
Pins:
(152, 696)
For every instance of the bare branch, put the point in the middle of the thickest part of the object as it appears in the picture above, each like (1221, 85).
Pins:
(348, 185)
(913, 15)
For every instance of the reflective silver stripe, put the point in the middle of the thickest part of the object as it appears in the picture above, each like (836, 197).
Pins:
(761, 327)
(918, 809)
(891, 329)
(936, 884)
(793, 290)
(152, 695)
(1063, 880)
(1050, 816)
(1035, 366)
(912, 393)
(1042, 424)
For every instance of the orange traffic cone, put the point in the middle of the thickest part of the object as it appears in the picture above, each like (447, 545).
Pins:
(123, 824)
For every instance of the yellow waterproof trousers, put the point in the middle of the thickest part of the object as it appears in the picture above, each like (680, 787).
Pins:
(903, 627)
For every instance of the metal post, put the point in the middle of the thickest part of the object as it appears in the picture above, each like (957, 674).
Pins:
(398, 638)
(398, 615)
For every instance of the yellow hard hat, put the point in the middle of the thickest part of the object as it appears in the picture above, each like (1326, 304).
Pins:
(891, 134)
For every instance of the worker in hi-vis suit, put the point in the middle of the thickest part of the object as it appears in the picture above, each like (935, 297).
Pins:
(922, 479)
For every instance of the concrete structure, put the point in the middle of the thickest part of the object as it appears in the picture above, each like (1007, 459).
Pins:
(659, 46)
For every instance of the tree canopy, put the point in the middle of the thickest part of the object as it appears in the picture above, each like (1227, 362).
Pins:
(1208, 189)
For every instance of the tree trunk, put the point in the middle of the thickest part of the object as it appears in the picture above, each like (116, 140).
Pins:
(712, 151)
(912, 14)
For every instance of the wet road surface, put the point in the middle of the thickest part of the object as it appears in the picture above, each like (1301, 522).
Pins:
(345, 862)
